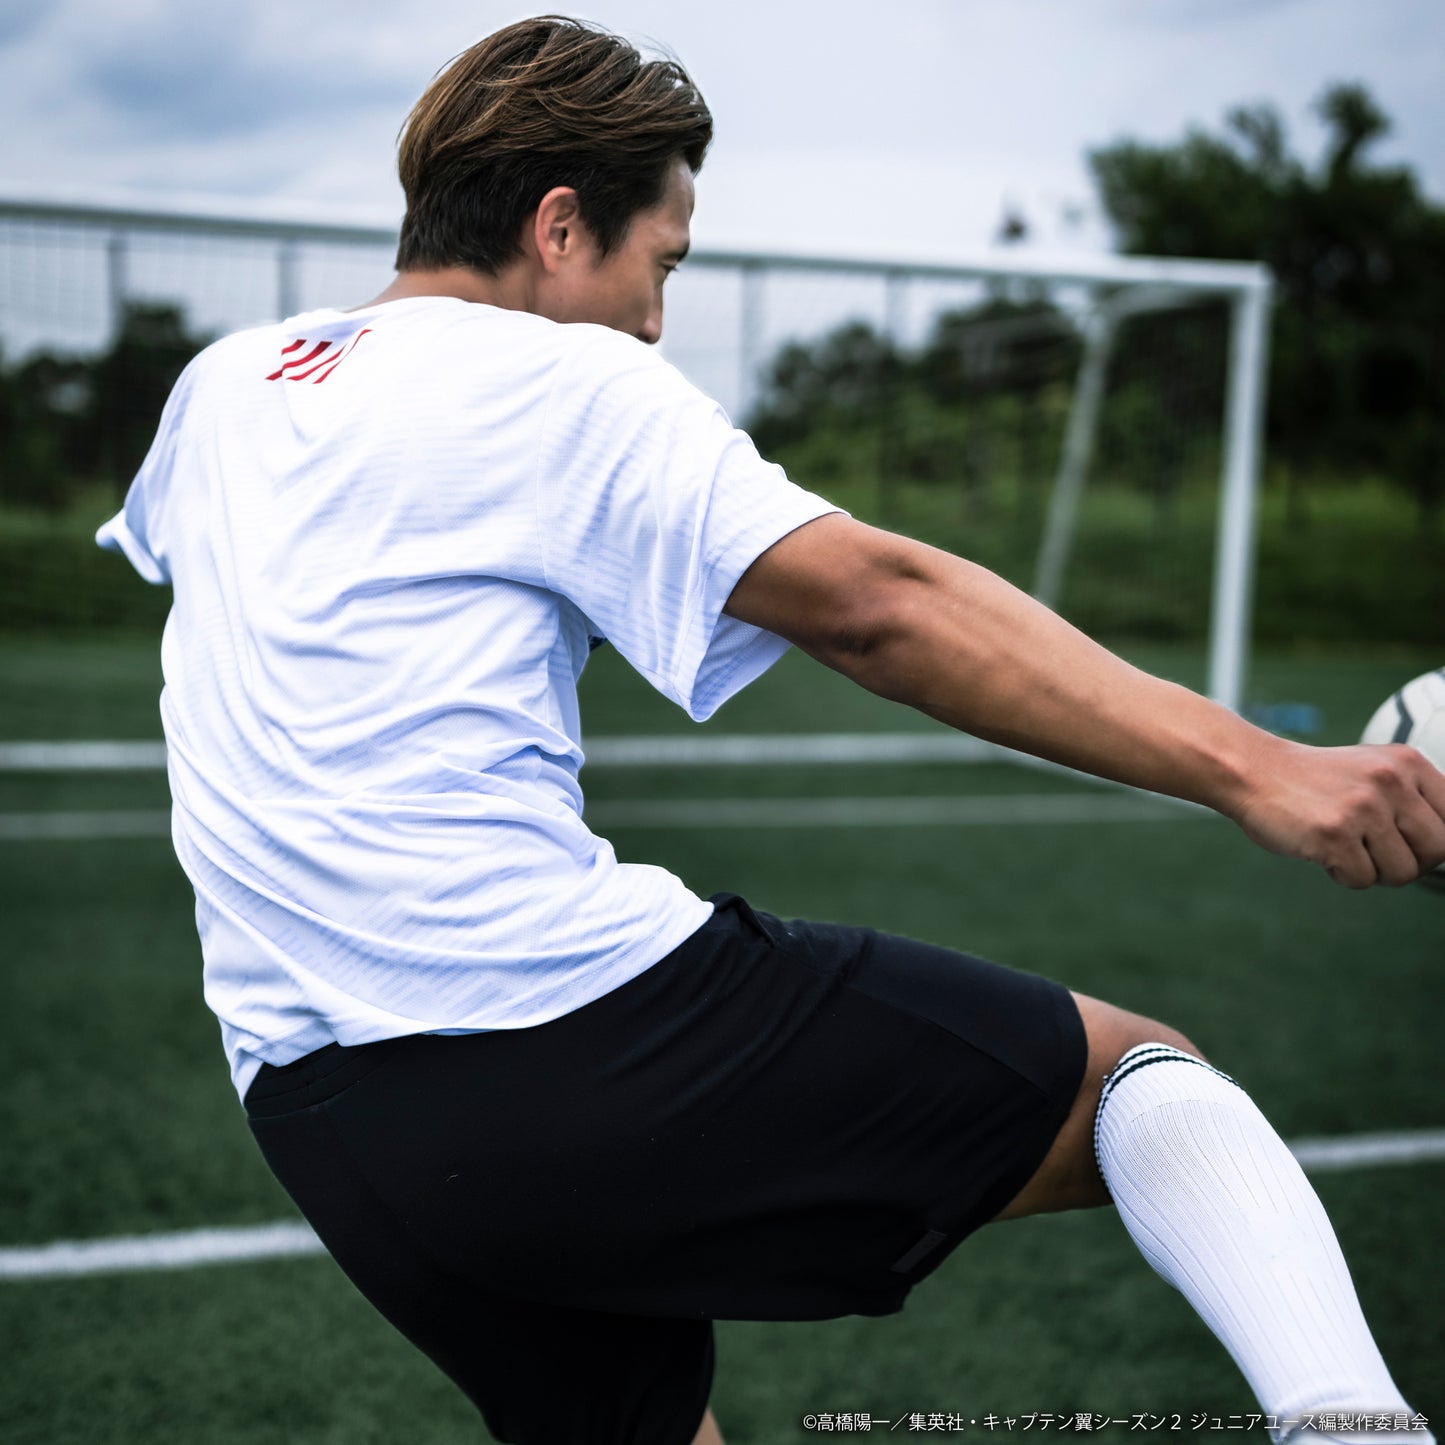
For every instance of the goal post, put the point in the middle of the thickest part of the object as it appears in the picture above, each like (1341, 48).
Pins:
(73, 276)
(1107, 290)
(1235, 546)
(1239, 476)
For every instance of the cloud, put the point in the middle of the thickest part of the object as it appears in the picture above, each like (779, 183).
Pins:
(162, 71)
(18, 18)
(905, 125)
(1201, 14)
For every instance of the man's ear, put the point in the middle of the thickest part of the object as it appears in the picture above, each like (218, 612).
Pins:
(557, 230)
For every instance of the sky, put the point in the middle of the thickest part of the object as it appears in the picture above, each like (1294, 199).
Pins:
(883, 127)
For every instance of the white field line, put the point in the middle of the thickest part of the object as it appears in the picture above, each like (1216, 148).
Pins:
(97, 757)
(1000, 810)
(671, 751)
(116, 823)
(1354, 1151)
(186, 1249)
(666, 750)
(702, 749)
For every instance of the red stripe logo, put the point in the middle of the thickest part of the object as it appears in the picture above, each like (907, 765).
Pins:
(300, 360)
(316, 364)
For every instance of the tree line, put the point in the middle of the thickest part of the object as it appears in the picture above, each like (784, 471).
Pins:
(1357, 363)
(1357, 370)
(68, 423)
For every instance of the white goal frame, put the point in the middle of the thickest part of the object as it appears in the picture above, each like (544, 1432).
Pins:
(1113, 287)
(1121, 286)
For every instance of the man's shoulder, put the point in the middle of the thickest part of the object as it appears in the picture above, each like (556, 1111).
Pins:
(574, 363)
(247, 352)
(452, 348)
(249, 341)
(596, 361)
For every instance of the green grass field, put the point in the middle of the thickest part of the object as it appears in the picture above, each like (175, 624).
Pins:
(117, 1117)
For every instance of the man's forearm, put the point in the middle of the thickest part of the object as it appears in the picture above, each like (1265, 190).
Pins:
(961, 644)
(953, 640)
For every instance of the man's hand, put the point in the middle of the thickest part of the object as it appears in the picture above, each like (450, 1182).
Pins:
(954, 641)
(1367, 814)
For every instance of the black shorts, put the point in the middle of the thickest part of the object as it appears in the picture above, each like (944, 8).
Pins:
(779, 1121)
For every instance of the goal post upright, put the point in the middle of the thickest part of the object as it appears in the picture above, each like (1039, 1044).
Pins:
(1234, 560)
(1248, 294)
(1079, 435)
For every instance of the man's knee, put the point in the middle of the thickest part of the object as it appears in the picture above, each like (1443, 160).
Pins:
(1112, 1032)
(1069, 1177)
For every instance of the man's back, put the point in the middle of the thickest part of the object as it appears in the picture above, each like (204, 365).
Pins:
(394, 535)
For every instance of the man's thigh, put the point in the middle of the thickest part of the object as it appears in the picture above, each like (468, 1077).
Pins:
(1069, 1176)
(781, 1120)
(541, 1374)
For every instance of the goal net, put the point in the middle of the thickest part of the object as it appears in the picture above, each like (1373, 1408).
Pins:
(1088, 427)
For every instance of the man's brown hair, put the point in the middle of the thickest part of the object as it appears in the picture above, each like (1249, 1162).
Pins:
(546, 102)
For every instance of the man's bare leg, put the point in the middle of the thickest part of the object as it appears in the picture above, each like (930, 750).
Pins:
(1221, 1209)
(1069, 1176)
(707, 1432)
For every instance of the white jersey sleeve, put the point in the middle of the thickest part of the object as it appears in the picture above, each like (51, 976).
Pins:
(651, 505)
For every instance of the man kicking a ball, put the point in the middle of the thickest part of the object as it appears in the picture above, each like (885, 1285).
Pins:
(554, 1114)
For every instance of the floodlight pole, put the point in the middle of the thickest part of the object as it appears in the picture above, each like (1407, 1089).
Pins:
(1235, 537)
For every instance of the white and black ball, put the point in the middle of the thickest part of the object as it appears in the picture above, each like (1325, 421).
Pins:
(1415, 715)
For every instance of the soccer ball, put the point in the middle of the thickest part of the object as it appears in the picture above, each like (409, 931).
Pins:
(1415, 715)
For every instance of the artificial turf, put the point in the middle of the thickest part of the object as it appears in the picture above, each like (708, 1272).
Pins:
(116, 1115)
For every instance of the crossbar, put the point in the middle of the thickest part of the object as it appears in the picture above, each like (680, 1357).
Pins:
(1227, 277)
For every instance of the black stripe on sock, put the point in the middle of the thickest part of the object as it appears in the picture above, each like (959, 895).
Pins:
(1160, 1054)
(1140, 1057)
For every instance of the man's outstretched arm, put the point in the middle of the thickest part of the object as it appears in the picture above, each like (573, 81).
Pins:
(950, 638)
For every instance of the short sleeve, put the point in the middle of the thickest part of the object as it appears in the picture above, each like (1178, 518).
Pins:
(651, 505)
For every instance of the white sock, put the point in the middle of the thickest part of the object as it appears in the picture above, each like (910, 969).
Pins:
(1218, 1205)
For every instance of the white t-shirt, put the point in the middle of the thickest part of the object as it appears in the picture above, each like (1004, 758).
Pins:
(394, 534)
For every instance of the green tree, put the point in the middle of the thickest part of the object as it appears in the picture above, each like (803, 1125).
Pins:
(67, 422)
(977, 411)
(46, 448)
(131, 382)
(1358, 364)
(837, 382)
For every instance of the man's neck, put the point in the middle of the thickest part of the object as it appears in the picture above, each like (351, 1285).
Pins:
(508, 289)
